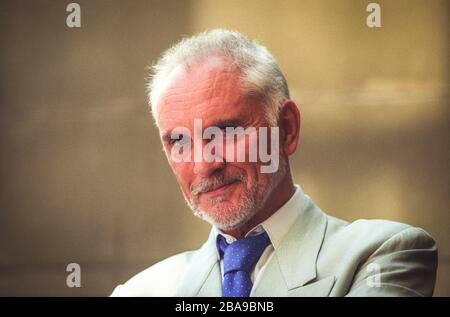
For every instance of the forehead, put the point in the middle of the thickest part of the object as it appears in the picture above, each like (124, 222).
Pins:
(210, 91)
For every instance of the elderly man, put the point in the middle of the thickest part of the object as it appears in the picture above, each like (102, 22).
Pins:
(268, 238)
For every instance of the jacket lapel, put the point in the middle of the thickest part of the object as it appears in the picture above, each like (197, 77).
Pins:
(212, 287)
(203, 277)
(293, 264)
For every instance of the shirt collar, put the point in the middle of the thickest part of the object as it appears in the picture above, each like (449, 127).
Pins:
(278, 224)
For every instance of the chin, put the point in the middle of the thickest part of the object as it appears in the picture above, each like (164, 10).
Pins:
(225, 216)
(222, 211)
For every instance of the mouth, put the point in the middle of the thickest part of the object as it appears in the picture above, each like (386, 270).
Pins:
(220, 189)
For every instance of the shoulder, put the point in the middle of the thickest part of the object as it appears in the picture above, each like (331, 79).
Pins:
(404, 256)
(376, 233)
(159, 279)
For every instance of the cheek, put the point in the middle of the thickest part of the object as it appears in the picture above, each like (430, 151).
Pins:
(250, 170)
(254, 175)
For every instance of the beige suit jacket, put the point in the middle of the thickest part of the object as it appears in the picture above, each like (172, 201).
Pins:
(319, 256)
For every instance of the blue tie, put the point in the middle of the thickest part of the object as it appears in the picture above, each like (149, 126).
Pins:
(239, 259)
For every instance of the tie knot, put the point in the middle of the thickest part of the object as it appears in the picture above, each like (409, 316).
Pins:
(242, 255)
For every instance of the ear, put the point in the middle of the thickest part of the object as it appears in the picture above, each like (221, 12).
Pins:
(289, 126)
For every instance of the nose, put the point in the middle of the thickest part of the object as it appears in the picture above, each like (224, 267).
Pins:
(206, 169)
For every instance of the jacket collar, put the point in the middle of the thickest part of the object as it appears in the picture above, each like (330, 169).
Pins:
(293, 265)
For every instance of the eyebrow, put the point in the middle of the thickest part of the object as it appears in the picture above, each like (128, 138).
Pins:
(227, 123)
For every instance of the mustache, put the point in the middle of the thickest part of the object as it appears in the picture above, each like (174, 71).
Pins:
(215, 182)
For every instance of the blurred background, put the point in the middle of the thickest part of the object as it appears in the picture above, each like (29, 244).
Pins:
(82, 175)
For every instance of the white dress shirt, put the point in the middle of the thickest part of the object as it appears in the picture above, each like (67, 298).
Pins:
(276, 227)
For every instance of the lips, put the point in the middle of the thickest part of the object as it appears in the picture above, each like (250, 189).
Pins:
(220, 188)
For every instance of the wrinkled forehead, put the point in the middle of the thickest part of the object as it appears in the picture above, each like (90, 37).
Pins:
(203, 91)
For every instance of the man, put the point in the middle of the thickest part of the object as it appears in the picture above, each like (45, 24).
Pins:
(268, 238)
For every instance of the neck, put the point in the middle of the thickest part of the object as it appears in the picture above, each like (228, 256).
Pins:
(278, 197)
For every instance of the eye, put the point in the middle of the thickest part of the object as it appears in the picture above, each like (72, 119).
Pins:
(179, 140)
(233, 134)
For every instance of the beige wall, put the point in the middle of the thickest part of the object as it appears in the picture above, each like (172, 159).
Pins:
(83, 178)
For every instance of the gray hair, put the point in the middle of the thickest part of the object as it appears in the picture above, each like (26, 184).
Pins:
(260, 75)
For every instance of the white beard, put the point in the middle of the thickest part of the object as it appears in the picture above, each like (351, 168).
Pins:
(226, 216)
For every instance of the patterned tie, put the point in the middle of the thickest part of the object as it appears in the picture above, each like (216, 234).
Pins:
(239, 259)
